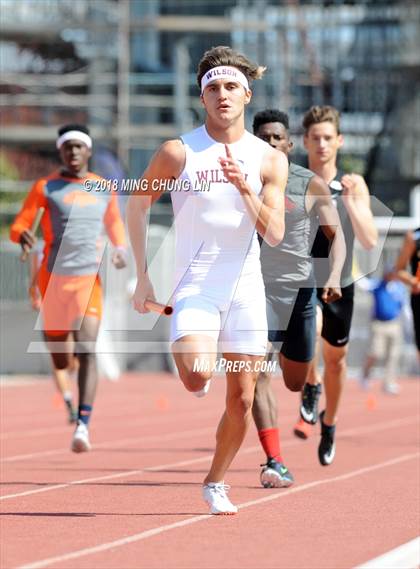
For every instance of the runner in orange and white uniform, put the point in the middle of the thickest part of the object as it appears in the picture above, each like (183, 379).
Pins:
(76, 213)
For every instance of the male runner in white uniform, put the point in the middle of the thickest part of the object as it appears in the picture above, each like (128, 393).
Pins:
(219, 299)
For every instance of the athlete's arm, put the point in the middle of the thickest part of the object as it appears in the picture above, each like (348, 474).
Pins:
(115, 230)
(33, 291)
(167, 164)
(402, 261)
(266, 210)
(357, 201)
(114, 224)
(20, 231)
(319, 199)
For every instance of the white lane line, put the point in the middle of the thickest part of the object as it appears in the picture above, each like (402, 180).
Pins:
(247, 450)
(105, 444)
(157, 418)
(105, 419)
(406, 556)
(189, 462)
(165, 528)
(378, 426)
(121, 442)
(23, 380)
(118, 442)
(170, 436)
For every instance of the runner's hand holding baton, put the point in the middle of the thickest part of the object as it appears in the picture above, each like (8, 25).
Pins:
(27, 239)
(158, 307)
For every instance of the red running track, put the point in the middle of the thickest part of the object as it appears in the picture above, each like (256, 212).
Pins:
(135, 500)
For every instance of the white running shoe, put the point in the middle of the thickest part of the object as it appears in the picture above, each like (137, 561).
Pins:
(80, 442)
(204, 390)
(391, 388)
(214, 493)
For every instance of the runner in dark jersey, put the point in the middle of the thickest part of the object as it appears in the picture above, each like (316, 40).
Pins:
(322, 140)
(290, 288)
(410, 255)
(74, 219)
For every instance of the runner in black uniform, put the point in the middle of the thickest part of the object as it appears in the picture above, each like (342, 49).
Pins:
(410, 254)
(337, 317)
(290, 288)
(322, 141)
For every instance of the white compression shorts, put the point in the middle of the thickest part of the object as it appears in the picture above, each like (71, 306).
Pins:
(238, 326)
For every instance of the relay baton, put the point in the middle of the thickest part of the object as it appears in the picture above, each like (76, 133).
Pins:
(158, 307)
(34, 227)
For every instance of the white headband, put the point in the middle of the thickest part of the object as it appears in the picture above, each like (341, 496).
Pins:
(74, 135)
(224, 72)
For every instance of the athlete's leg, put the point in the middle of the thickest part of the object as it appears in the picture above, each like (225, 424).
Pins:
(60, 344)
(415, 308)
(274, 473)
(264, 407)
(301, 365)
(309, 401)
(195, 357)
(85, 338)
(335, 334)
(195, 327)
(237, 416)
(61, 350)
(370, 361)
(335, 372)
(314, 376)
(391, 359)
(295, 373)
(377, 350)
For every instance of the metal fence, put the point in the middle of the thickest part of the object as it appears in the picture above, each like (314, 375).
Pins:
(141, 342)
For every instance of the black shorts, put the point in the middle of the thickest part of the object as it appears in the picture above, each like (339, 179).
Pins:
(297, 341)
(337, 317)
(415, 305)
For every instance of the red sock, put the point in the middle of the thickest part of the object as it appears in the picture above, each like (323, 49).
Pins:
(270, 441)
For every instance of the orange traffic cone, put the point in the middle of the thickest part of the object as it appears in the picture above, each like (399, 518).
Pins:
(371, 402)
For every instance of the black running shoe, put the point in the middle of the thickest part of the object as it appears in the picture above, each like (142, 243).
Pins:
(275, 475)
(326, 449)
(309, 405)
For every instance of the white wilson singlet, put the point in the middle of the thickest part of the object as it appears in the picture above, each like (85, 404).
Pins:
(216, 239)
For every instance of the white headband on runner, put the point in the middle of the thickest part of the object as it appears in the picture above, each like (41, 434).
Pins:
(224, 72)
(74, 135)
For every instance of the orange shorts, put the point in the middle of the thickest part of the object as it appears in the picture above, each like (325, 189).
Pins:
(67, 299)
